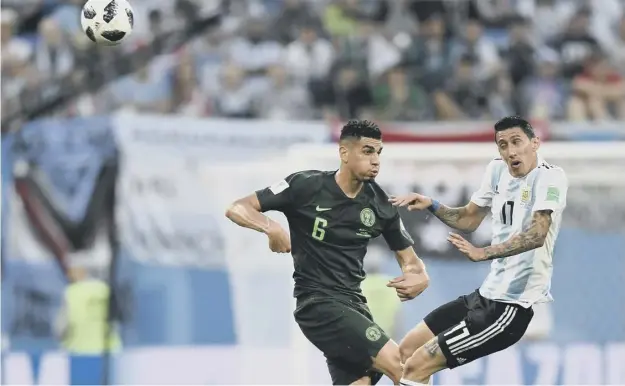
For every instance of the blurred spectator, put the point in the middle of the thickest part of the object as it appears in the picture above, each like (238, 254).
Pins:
(543, 96)
(148, 90)
(550, 18)
(400, 21)
(475, 44)
(188, 99)
(520, 51)
(454, 13)
(497, 13)
(54, 56)
(82, 322)
(65, 15)
(501, 97)
(382, 54)
(431, 53)
(294, 15)
(618, 51)
(341, 17)
(209, 53)
(400, 98)
(469, 59)
(310, 56)
(289, 100)
(255, 52)
(598, 92)
(465, 96)
(155, 25)
(235, 98)
(16, 53)
(351, 93)
(15, 50)
(576, 44)
(604, 18)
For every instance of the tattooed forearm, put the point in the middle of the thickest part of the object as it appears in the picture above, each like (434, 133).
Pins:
(532, 238)
(432, 346)
(458, 218)
(449, 216)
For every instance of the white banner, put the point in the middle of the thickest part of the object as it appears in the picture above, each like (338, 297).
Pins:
(168, 210)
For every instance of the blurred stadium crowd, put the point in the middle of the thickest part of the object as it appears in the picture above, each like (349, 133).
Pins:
(401, 60)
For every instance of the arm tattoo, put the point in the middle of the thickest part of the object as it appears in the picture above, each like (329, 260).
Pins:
(460, 218)
(449, 216)
(532, 238)
(432, 347)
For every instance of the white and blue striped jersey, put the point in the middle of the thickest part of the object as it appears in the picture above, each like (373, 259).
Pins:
(522, 279)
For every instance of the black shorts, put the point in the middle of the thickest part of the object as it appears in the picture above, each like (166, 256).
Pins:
(472, 327)
(346, 334)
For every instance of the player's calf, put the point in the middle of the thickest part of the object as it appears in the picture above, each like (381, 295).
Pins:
(426, 361)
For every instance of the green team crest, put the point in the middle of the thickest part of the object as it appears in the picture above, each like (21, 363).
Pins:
(367, 217)
(553, 194)
(373, 333)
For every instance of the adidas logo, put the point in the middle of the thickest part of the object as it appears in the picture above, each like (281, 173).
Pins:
(461, 360)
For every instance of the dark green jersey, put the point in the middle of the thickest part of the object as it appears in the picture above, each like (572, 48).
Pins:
(330, 231)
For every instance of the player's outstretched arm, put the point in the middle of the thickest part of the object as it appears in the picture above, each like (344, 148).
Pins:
(531, 238)
(466, 218)
(246, 212)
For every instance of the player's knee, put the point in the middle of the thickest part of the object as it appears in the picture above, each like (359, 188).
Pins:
(405, 351)
(416, 338)
(388, 361)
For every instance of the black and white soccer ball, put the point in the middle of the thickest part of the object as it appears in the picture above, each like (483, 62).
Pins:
(107, 22)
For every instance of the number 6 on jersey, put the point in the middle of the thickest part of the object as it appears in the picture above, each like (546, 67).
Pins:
(318, 230)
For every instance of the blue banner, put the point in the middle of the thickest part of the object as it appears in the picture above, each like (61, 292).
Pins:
(58, 176)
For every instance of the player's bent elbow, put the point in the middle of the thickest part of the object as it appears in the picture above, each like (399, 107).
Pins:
(233, 209)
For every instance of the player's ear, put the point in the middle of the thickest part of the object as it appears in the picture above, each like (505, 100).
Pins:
(343, 152)
(535, 143)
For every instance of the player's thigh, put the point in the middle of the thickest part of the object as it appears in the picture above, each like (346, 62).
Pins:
(346, 335)
(433, 324)
(488, 328)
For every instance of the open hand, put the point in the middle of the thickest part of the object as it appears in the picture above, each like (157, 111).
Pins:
(410, 285)
(472, 252)
(413, 201)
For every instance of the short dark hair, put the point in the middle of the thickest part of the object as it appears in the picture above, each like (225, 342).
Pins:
(515, 121)
(355, 129)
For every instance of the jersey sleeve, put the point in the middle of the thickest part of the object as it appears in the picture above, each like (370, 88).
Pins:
(396, 235)
(483, 197)
(280, 196)
(551, 188)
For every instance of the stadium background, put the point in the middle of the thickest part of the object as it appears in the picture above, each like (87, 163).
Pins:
(123, 160)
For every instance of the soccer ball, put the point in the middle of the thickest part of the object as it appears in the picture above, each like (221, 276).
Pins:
(107, 22)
